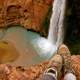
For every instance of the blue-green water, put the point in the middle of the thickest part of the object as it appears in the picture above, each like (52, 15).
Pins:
(30, 45)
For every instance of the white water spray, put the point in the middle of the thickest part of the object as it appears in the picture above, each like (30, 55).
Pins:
(56, 30)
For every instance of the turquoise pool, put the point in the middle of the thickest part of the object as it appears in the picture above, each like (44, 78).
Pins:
(32, 47)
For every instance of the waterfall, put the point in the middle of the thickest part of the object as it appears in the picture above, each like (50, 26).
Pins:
(56, 30)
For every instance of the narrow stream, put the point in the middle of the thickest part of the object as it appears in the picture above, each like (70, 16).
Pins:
(56, 30)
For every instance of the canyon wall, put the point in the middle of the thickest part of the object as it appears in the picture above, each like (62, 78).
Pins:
(28, 13)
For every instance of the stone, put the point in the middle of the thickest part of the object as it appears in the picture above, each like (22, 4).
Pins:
(28, 13)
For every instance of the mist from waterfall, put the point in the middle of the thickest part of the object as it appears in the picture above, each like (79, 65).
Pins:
(56, 30)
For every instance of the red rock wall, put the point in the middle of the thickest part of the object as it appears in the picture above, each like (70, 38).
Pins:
(28, 13)
(8, 72)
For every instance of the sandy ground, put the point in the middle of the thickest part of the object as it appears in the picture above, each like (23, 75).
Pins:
(8, 52)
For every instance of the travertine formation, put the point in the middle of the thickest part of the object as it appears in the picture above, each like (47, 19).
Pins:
(28, 13)
(35, 72)
(76, 65)
(8, 72)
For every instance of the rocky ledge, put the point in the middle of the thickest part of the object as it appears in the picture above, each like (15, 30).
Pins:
(8, 72)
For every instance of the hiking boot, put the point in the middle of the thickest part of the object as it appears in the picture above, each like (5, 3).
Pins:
(53, 71)
(65, 53)
(63, 50)
(69, 73)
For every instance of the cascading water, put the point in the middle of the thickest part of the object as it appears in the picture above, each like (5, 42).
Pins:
(31, 47)
(56, 30)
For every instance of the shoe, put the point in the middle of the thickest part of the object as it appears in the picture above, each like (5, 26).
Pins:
(65, 53)
(69, 76)
(68, 71)
(63, 50)
(53, 71)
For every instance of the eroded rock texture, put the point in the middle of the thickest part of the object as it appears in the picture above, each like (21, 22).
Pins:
(29, 13)
(76, 65)
(8, 72)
